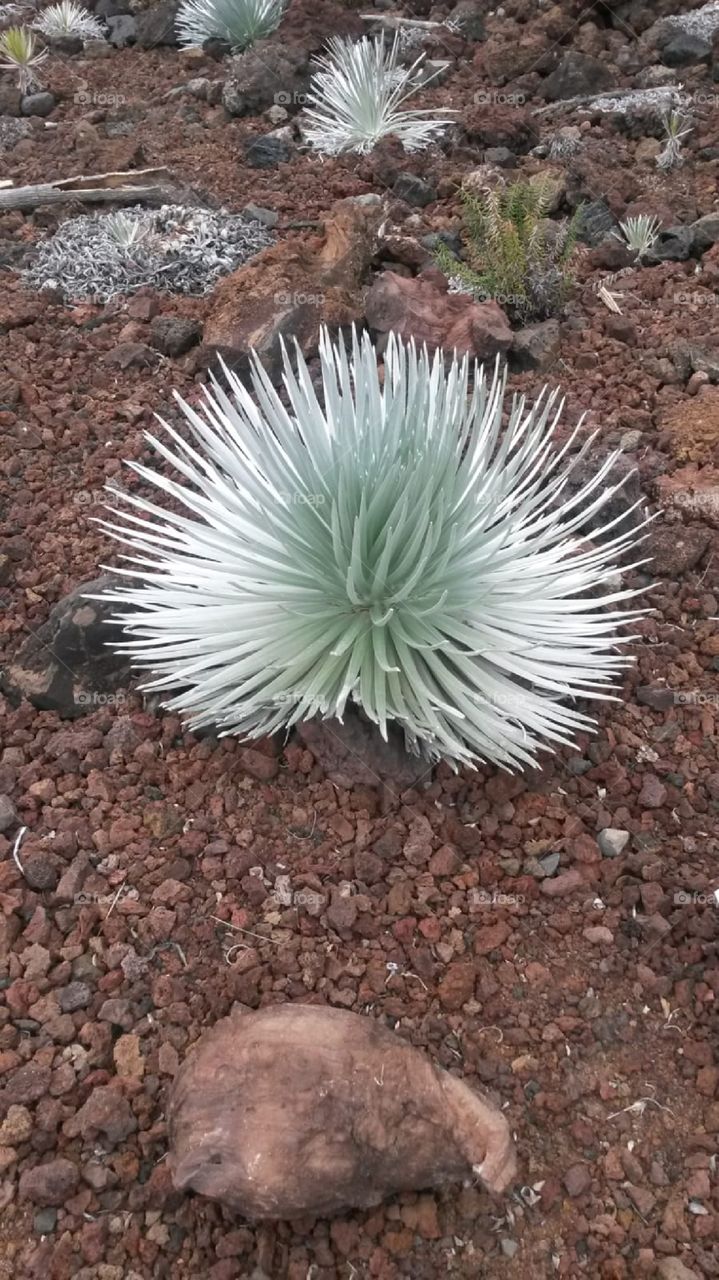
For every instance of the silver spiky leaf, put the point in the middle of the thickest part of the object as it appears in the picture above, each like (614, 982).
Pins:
(387, 542)
(67, 20)
(357, 96)
(238, 22)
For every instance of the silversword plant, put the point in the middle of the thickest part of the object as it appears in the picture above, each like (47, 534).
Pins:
(67, 20)
(442, 583)
(20, 52)
(639, 233)
(677, 127)
(238, 22)
(357, 96)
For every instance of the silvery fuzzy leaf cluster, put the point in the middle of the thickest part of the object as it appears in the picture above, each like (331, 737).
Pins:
(388, 541)
(178, 250)
(238, 22)
(357, 96)
(67, 20)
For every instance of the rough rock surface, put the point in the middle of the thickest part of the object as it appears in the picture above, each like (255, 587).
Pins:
(353, 753)
(67, 665)
(292, 288)
(421, 308)
(300, 1109)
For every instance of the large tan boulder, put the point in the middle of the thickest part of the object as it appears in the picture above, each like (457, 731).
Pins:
(303, 1109)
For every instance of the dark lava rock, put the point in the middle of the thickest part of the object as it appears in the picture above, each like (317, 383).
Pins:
(468, 18)
(595, 221)
(156, 26)
(267, 152)
(414, 190)
(674, 244)
(536, 346)
(577, 74)
(619, 504)
(123, 30)
(263, 75)
(67, 665)
(705, 232)
(686, 50)
(174, 335)
(37, 104)
(675, 549)
(354, 754)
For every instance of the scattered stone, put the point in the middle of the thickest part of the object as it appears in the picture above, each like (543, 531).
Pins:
(653, 793)
(76, 995)
(612, 841)
(675, 548)
(266, 152)
(414, 190)
(565, 883)
(174, 335)
(122, 29)
(675, 1269)
(49, 1184)
(578, 1179)
(641, 1197)
(38, 104)
(17, 1126)
(263, 76)
(576, 75)
(8, 816)
(128, 1059)
(292, 288)
(596, 221)
(705, 232)
(44, 1221)
(536, 346)
(105, 1112)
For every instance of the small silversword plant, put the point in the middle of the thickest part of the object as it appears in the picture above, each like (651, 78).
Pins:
(677, 127)
(639, 233)
(67, 20)
(20, 52)
(357, 97)
(237, 22)
(387, 542)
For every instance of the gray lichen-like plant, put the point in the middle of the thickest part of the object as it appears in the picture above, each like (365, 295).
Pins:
(19, 52)
(639, 233)
(67, 20)
(357, 97)
(238, 22)
(175, 249)
(388, 542)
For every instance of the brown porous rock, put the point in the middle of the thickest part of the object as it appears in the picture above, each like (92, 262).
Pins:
(299, 1110)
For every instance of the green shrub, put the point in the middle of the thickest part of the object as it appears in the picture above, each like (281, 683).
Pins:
(513, 253)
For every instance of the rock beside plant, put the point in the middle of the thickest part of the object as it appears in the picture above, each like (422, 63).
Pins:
(301, 1110)
(353, 753)
(67, 665)
(421, 308)
(292, 288)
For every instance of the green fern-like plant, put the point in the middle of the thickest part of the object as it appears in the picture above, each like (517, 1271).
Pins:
(512, 252)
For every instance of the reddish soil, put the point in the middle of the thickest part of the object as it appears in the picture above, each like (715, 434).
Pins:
(585, 1003)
